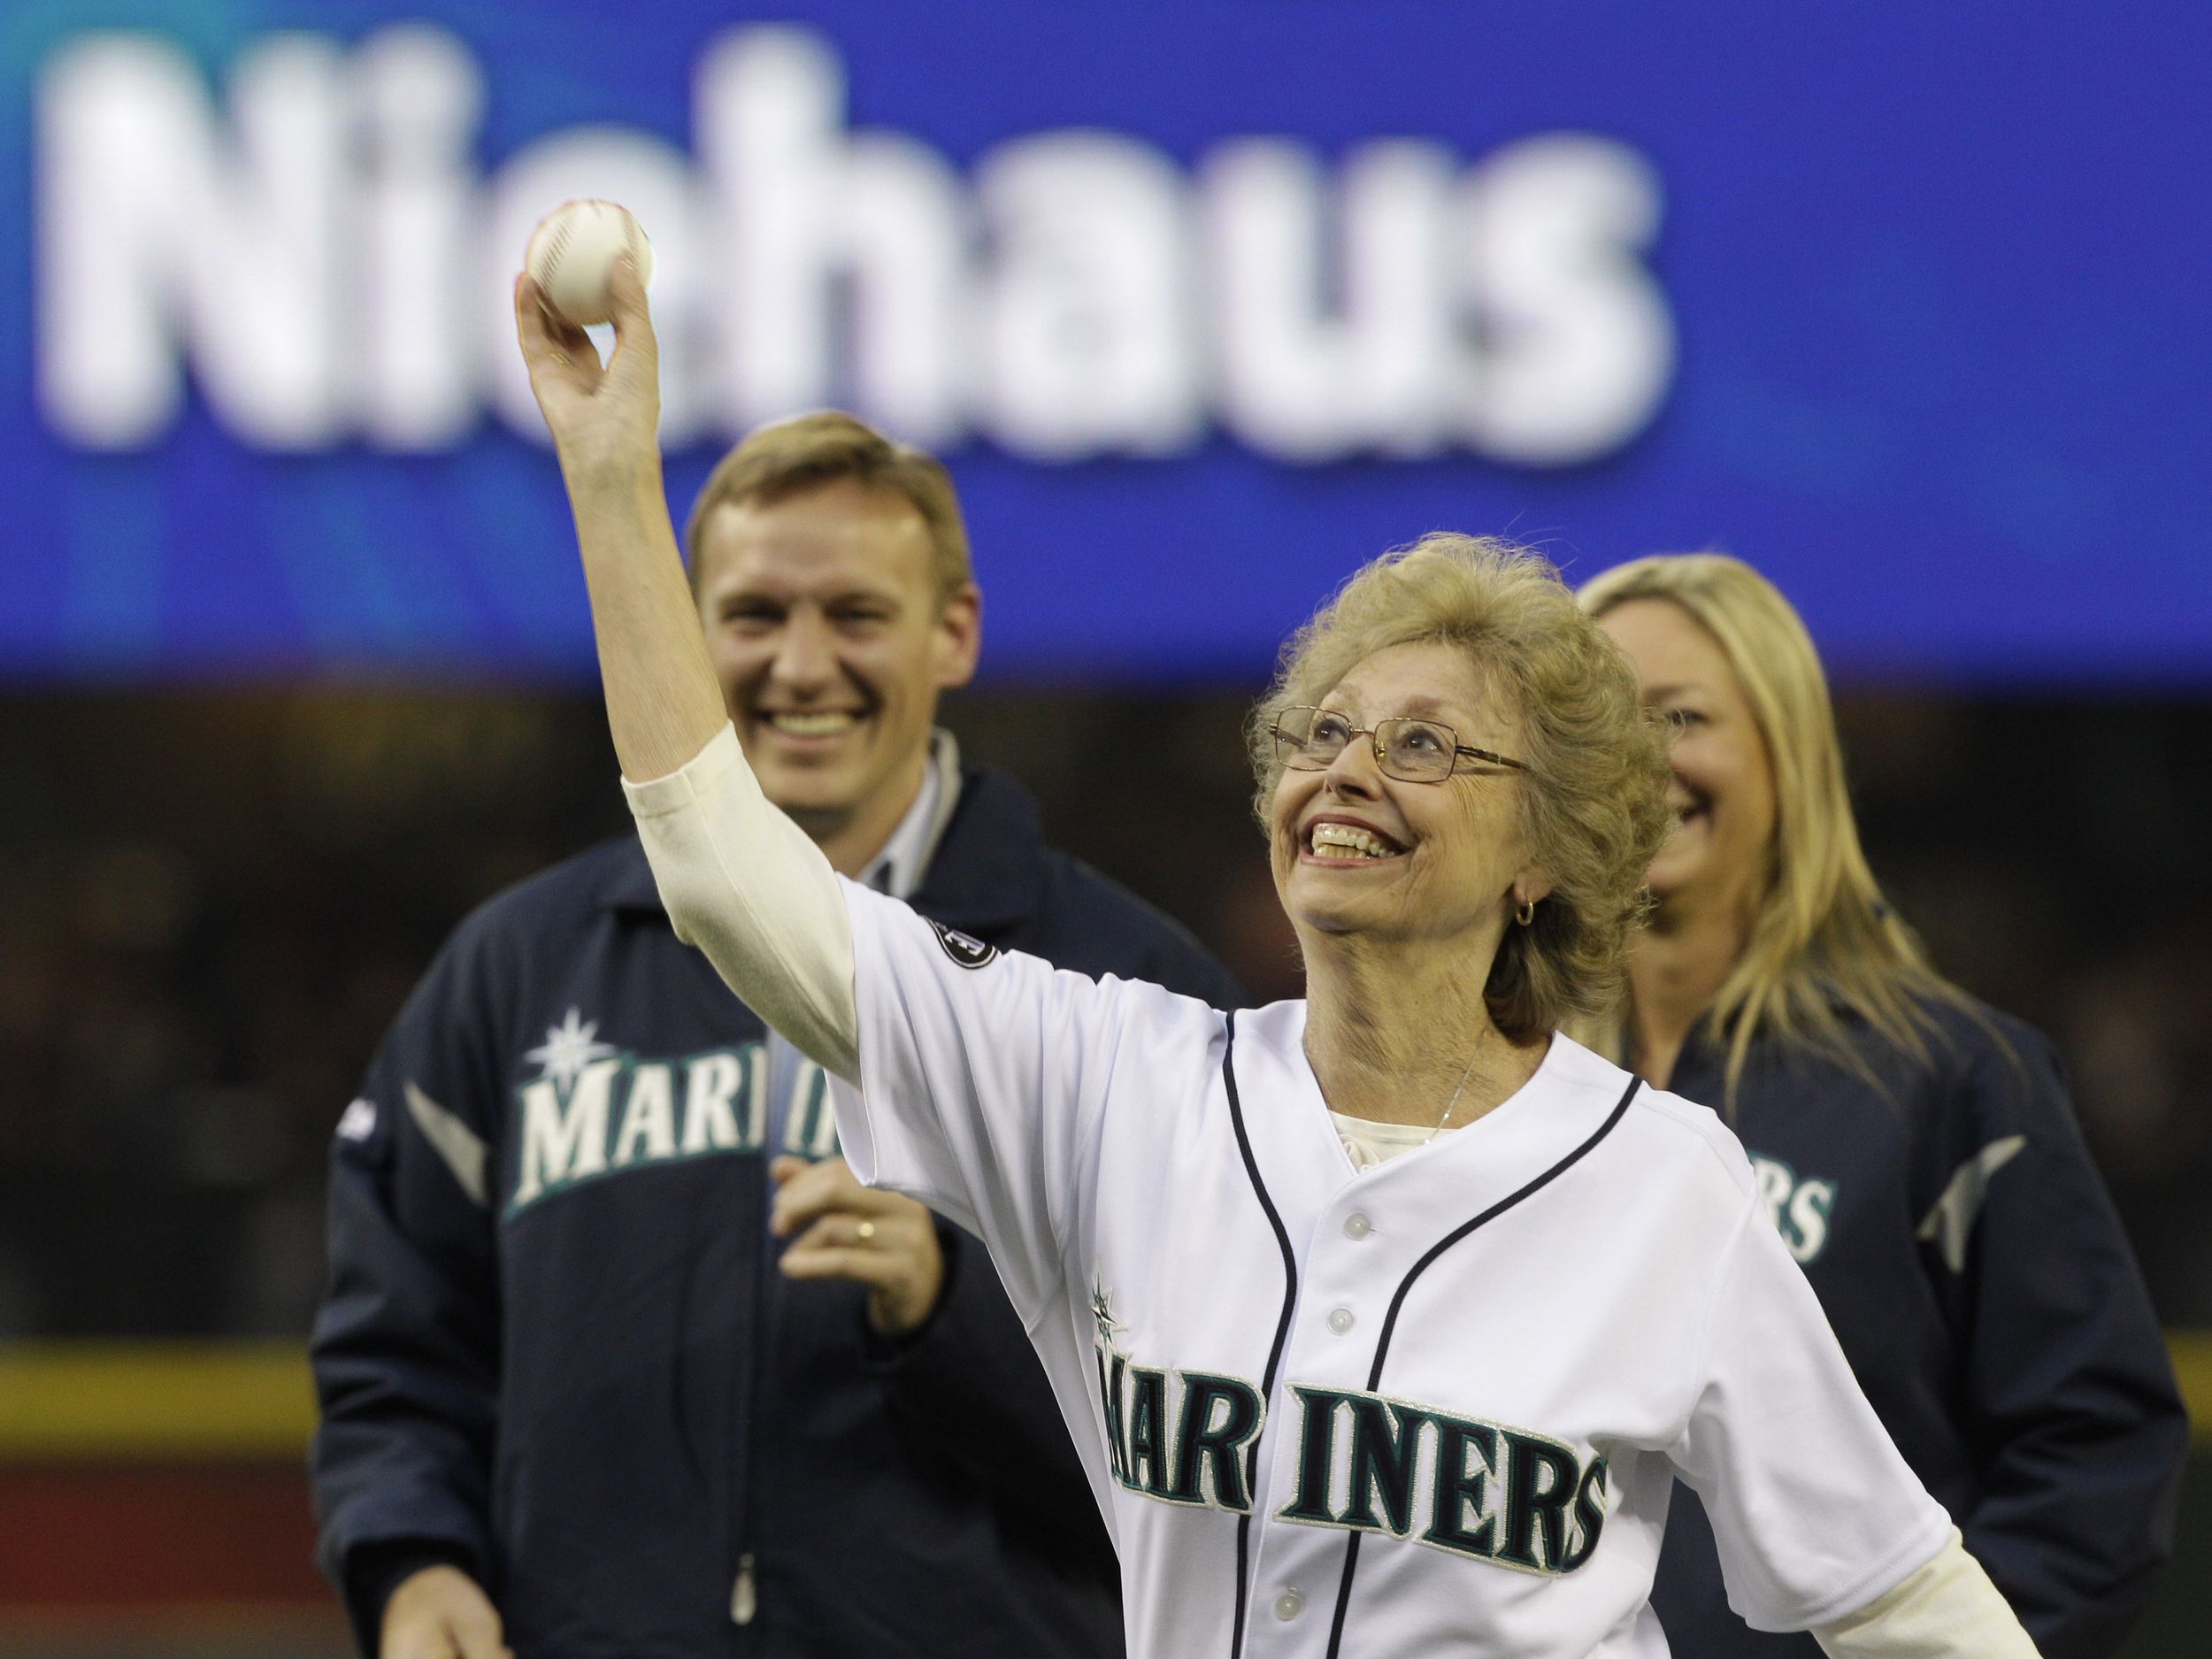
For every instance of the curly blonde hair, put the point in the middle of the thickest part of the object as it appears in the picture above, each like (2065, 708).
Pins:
(1593, 800)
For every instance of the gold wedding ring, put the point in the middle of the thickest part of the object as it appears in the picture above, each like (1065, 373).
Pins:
(867, 1231)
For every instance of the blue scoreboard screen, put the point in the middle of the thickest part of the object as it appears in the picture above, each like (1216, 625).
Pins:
(1203, 301)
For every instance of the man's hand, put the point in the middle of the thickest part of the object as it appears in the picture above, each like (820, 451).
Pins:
(604, 418)
(440, 1613)
(848, 1231)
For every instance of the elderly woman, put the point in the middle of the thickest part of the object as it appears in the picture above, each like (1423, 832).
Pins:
(1916, 1148)
(1384, 1321)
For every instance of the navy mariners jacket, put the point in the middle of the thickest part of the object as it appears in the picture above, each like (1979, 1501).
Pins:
(557, 1350)
(1976, 1274)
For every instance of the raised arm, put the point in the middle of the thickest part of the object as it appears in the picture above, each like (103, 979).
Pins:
(661, 698)
(740, 879)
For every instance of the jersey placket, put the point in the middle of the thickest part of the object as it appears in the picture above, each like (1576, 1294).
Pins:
(1350, 1262)
(1345, 1257)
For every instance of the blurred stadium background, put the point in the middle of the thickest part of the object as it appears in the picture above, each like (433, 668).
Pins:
(1205, 303)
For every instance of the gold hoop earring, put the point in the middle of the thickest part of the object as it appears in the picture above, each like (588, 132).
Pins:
(1526, 912)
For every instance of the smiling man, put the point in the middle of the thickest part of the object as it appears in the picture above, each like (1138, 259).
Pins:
(618, 1357)
(832, 574)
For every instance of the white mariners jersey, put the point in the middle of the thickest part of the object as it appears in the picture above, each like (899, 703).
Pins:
(1433, 1409)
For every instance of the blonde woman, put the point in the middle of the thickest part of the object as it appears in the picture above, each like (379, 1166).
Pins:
(1384, 1322)
(1915, 1149)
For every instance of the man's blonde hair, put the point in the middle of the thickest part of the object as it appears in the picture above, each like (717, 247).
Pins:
(790, 456)
(1824, 941)
(1593, 800)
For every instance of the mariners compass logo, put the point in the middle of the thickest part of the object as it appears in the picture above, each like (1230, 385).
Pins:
(568, 1048)
(1102, 1314)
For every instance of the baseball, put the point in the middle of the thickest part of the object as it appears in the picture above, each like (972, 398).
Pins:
(573, 249)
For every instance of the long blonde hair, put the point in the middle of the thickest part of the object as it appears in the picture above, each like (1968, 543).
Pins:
(1823, 942)
(1594, 803)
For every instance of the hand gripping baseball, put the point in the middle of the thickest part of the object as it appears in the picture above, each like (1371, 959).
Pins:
(604, 418)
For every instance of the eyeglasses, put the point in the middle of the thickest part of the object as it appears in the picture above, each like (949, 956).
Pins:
(1411, 751)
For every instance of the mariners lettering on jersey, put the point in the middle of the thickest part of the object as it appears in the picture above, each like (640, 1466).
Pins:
(1183, 1436)
(1799, 1209)
(1484, 1490)
(1365, 1462)
(594, 1110)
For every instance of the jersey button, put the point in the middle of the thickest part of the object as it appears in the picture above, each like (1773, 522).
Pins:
(1340, 1320)
(1357, 1226)
(1288, 1603)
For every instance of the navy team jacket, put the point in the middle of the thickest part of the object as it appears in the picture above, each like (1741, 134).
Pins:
(557, 1350)
(1976, 1274)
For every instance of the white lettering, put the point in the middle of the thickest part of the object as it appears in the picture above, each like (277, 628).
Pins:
(421, 97)
(1088, 309)
(1810, 1207)
(711, 1082)
(1327, 350)
(756, 1099)
(810, 217)
(810, 1127)
(1799, 1209)
(156, 228)
(648, 1119)
(1577, 344)
(565, 1142)
(323, 254)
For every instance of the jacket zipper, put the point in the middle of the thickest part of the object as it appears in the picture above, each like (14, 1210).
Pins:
(744, 1601)
(745, 1591)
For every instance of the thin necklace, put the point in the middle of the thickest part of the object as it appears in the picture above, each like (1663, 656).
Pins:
(1467, 1071)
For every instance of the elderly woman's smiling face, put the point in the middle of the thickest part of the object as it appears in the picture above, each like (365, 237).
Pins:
(1358, 851)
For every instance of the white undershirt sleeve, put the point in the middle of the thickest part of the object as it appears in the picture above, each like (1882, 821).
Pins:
(743, 883)
(1947, 1610)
